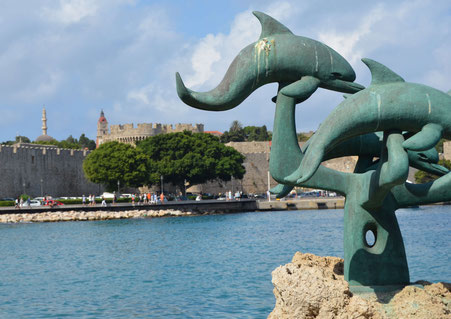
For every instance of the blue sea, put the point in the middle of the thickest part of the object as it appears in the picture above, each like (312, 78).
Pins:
(184, 267)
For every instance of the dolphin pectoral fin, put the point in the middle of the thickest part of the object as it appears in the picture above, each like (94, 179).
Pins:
(427, 138)
(302, 89)
(281, 190)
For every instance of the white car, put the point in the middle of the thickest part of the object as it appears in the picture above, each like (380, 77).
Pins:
(33, 203)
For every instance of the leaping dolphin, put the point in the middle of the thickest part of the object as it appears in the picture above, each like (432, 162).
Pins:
(277, 56)
(369, 145)
(388, 103)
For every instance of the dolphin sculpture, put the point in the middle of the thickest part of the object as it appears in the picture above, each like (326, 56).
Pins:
(277, 56)
(388, 103)
(369, 145)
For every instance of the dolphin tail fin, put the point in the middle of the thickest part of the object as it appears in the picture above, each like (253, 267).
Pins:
(281, 190)
(270, 26)
(425, 139)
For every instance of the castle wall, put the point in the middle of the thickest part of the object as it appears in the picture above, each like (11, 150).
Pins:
(127, 133)
(23, 168)
(447, 150)
(256, 162)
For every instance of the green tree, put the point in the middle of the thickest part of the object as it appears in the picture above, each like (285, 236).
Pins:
(192, 157)
(235, 133)
(256, 133)
(22, 139)
(423, 177)
(85, 142)
(113, 162)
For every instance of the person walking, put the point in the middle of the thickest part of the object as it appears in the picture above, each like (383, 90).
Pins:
(17, 203)
(83, 200)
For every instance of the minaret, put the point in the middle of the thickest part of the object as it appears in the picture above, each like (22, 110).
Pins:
(44, 121)
(102, 129)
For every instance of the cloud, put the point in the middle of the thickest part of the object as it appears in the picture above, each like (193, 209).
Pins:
(71, 11)
(79, 56)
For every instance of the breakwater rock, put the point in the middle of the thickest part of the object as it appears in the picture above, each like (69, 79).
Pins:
(314, 287)
(59, 216)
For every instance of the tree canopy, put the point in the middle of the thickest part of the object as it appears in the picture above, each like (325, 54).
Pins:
(238, 133)
(113, 162)
(71, 142)
(192, 157)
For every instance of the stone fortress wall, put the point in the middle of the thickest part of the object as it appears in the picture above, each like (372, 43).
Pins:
(256, 162)
(127, 133)
(40, 170)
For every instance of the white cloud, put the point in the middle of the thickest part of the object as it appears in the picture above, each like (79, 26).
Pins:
(71, 11)
(347, 44)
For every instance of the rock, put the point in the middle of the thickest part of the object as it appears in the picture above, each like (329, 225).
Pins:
(314, 287)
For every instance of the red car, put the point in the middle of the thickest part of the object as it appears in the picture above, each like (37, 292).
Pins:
(51, 203)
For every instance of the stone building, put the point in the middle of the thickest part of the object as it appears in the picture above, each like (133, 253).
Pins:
(127, 133)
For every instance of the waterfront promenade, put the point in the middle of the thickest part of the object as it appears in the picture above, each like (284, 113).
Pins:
(181, 208)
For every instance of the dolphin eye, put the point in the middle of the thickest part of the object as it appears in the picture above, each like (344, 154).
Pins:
(422, 157)
(336, 75)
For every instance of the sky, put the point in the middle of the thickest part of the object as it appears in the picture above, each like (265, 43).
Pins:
(78, 57)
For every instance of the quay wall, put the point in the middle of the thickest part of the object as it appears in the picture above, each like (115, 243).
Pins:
(40, 171)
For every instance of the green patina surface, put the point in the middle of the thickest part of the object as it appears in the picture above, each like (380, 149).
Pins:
(409, 118)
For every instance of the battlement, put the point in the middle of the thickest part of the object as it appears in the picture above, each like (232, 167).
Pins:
(127, 133)
(36, 149)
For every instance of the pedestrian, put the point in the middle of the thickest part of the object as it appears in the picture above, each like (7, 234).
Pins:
(17, 203)
(21, 202)
(83, 200)
(114, 199)
(149, 198)
(133, 199)
(28, 202)
(162, 197)
(103, 202)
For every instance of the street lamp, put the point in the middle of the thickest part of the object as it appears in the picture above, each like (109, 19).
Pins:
(118, 185)
(42, 193)
(23, 184)
(161, 184)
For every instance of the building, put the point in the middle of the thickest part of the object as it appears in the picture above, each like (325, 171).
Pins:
(127, 133)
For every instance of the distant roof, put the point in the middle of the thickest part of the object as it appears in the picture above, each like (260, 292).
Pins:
(213, 132)
(44, 138)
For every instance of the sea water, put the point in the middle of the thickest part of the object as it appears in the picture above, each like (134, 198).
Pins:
(184, 267)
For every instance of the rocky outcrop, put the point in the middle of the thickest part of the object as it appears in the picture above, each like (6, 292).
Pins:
(314, 287)
(58, 216)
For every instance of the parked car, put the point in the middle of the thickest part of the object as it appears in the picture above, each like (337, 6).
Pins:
(52, 202)
(35, 203)
(7, 199)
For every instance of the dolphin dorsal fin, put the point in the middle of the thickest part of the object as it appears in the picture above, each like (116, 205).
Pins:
(380, 73)
(270, 26)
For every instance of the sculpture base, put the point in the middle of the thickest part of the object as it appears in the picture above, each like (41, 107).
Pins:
(314, 287)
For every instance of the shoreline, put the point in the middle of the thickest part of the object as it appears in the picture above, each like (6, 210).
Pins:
(63, 216)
